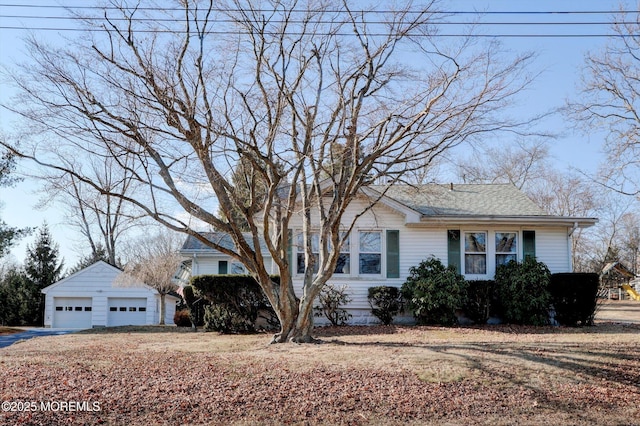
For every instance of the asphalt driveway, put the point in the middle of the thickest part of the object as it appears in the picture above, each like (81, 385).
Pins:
(10, 339)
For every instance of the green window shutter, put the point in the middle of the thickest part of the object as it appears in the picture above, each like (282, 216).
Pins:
(223, 267)
(393, 254)
(528, 244)
(453, 249)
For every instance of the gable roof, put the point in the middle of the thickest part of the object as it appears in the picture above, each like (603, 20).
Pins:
(101, 267)
(100, 264)
(465, 200)
(436, 204)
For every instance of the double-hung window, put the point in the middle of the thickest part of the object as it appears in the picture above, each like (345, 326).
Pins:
(344, 261)
(475, 253)
(315, 249)
(343, 265)
(506, 247)
(237, 268)
(370, 253)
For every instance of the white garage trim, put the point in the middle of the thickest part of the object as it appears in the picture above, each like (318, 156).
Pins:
(126, 311)
(72, 312)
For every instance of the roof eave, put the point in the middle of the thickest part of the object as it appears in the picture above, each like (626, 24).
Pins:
(565, 221)
(411, 215)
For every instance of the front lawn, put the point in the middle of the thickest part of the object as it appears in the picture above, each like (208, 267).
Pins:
(9, 330)
(499, 375)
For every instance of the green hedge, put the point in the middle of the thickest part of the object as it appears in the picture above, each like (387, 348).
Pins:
(574, 297)
(237, 303)
(522, 290)
(479, 303)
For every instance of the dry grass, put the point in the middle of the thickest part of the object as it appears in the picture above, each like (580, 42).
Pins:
(358, 375)
(8, 330)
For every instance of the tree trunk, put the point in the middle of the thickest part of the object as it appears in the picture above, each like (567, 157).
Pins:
(162, 308)
(302, 332)
(296, 325)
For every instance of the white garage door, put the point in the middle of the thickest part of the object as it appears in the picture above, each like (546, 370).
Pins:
(126, 311)
(72, 312)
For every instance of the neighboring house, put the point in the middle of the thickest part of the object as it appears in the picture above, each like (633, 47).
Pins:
(475, 228)
(92, 298)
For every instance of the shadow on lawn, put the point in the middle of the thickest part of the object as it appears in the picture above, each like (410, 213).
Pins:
(598, 362)
(366, 330)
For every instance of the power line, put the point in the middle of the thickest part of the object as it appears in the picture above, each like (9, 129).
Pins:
(293, 21)
(358, 11)
(436, 23)
(603, 35)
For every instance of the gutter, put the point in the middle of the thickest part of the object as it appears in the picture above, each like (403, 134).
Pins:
(436, 221)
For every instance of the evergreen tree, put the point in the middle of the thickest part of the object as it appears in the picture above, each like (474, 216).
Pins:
(14, 287)
(100, 253)
(42, 268)
(250, 191)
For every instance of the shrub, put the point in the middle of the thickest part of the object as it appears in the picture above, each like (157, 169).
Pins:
(237, 303)
(385, 303)
(194, 306)
(522, 290)
(479, 298)
(218, 317)
(574, 297)
(434, 292)
(181, 318)
(331, 300)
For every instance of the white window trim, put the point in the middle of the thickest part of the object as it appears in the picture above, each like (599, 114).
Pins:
(383, 250)
(297, 249)
(463, 252)
(518, 244)
(491, 250)
(354, 254)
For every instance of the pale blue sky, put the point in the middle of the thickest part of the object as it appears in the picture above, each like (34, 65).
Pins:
(559, 60)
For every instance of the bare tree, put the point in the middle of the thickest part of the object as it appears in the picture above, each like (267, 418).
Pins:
(566, 194)
(614, 238)
(103, 219)
(154, 261)
(523, 164)
(8, 235)
(277, 85)
(631, 240)
(609, 101)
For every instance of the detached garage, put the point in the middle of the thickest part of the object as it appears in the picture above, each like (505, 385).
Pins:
(91, 298)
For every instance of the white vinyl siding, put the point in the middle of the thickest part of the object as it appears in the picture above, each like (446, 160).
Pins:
(419, 242)
(552, 249)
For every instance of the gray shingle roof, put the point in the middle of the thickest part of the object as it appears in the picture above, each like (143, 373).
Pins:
(220, 238)
(465, 200)
(429, 200)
